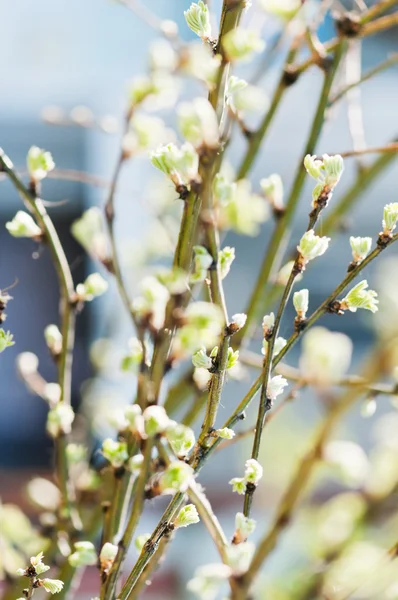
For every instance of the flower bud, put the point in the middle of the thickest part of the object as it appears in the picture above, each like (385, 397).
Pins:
(197, 60)
(276, 386)
(23, 225)
(237, 322)
(198, 19)
(59, 420)
(325, 356)
(279, 343)
(200, 360)
(239, 44)
(300, 303)
(180, 164)
(390, 218)
(175, 478)
(268, 324)
(360, 297)
(311, 246)
(238, 485)
(135, 463)
(233, 357)
(76, 453)
(152, 303)
(155, 420)
(327, 173)
(133, 359)
(94, 286)
(53, 338)
(188, 515)
(107, 556)
(38, 565)
(360, 248)
(226, 257)
(84, 555)
(5, 340)
(198, 123)
(245, 211)
(202, 262)
(283, 9)
(208, 580)
(181, 439)
(225, 433)
(115, 452)
(141, 540)
(253, 469)
(90, 232)
(174, 280)
(243, 528)
(272, 188)
(52, 586)
(223, 190)
(39, 163)
(240, 556)
(240, 96)
(135, 420)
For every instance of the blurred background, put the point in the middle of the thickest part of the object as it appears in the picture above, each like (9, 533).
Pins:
(74, 56)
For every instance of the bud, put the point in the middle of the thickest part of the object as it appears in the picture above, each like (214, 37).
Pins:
(225, 433)
(327, 173)
(360, 297)
(6, 340)
(84, 555)
(203, 325)
(240, 96)
(311, 246)
(175, 478)
(223, 190)
(152, 303)
(52, 586)
(39, 163)
(59, 420)
(325, 356)
(233, 357)
(237, 322)
(169, 28)
(200, 360)
(390, 218)
(141, 540)
(22, 225)
(38, 565)
(238, 485)
(240, 556)
(162, 56)
(197, 60)
(135, 463)
(90, 232)
(202, 262)
(53, 338)
(201, 378)
(188, 515)
(140, 88)
(272, 188)
(279, 343)
(198, 123)
(253, 469)
(239, 44)
(208, 580)
(135, 420)
(180, 164)
(133, 359)
(180, 438)
(107, 556)
(27, 362)
(145, 133)
(226, 257)
(76, 453)
(268, 324)
(243, 528)
(174, 280)
(198, 19)
(284, 9)
(115, 452)
(276, 386)
(300, 303)
(155, 420)
(94, 286)
(245, 211)
(360, 248)
(284, 274)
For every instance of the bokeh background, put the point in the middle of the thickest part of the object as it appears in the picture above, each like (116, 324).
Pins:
(73, 54)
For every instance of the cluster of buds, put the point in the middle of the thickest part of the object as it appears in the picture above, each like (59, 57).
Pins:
(181, 438)
(39, 163)
(359, 297)
(203, 262)
(115, 452)
(327, 173)
(180, 164)
(252, 476)
(93, 287)
(36, 568)
(60, 416)
(176, 478)
(311, 246)
(198, 124)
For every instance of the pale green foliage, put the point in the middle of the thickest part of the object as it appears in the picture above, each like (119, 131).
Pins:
(360, 297)
(187, 516)
(94, 286)
(115, 452)
(23, 225)
(39, 163)
(198, 19)
(240, 44)
(89, 231)
(6, 340)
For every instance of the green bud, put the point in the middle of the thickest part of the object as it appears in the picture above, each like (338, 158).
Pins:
(175, 478)
(226, 257)
(141, 540)
(6, 340)
(202, 262)
(360, 297)
(225, 433)
(311, 246)
(272, 188)
(238, 485)
(135, 463)
(94, 286)
(300, 302)
(38, 565)
(233, 357)
(133, 359)
(115, 452)
(188, 515)
(23, 226)
(200, 360)
(39, 163)
(198, 19)
(390, 217)
(253, 469)
(53, 586)
(84, 555)
(198, 123)
(53, 338)
(181, 439)
(155, 420)
(90, 232)
(59, 420)
(361, 247)
(223, 190)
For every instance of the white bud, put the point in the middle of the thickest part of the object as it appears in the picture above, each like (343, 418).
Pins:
(360, 248)
(53, 586)
(180, 164)
(188, 515)
(200, 360)
(311, 246)
(226, 257)
(238, 485)
(39, 163)
(360, 297)
(268, 323)
(276, 386)
(84, 555)
(94, 286)
(176, 478)
(238, 321)
(115, 452)
(390, 217)
(107, 556)
(279, 344)
(22, 225)
(180, 438)
(198, 19)
(59, 420)
(243, 527)
(225, 433)
(272, 188)
(141, 540)
(198, 123)
(135, 463)
(253, 471)
(133, 359)
(325, 356)
(202, 262)
(240, 556)
(300, 303)
(155, 420)
(240, 43)
(52, 393)
(53, 338)
(90, 232)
